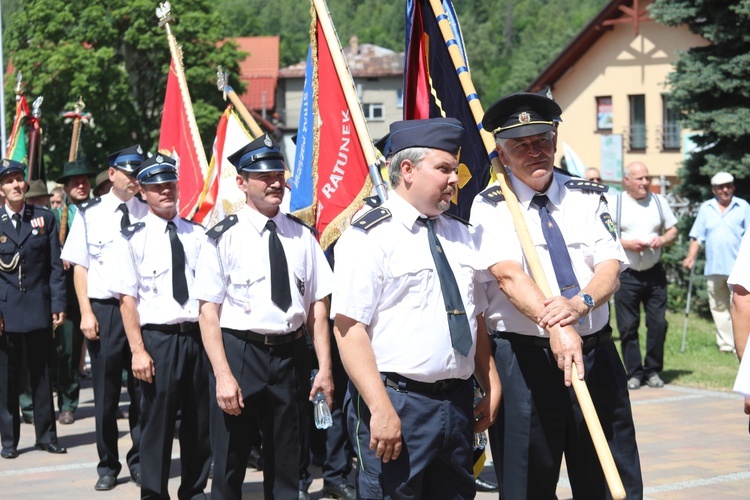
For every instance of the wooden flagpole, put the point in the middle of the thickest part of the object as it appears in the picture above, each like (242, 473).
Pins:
(350, 93)
(164, 14)
(228, 91)
(582, 393)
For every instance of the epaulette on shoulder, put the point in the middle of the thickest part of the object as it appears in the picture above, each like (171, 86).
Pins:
(83, 206)
(303, 223)
(459, 219)
(130, 230)
(584, 185)
(493, 194)
(373, 201)
(191, 222)
(372, 218)
(222, 227)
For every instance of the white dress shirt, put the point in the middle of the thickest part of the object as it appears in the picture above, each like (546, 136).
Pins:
(91, 237)
(386, 279)
(579, 217)
(235, 271)
(145, 270)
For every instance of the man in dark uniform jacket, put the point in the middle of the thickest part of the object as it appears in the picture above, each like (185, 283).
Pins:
(32, 299)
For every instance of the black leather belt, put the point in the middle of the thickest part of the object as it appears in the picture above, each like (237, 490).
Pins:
(186, 327)
(274, 339)
(588, 342)
(107, 302)
(403, 384)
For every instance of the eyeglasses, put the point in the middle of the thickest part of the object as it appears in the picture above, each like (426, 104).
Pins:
(595, 179)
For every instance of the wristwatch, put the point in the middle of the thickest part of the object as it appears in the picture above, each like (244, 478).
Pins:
(588, 300)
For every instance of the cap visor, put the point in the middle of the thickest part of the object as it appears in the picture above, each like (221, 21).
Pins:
(524, 131)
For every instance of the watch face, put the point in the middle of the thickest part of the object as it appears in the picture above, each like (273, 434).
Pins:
(587, 299)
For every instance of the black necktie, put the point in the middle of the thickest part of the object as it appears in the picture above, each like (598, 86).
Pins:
(179, 282)
(17, 220)
(280, 293)
(458, 323)
(125, 221)
(558, 251)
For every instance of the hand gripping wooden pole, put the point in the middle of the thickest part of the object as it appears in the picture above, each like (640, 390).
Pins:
(579, 386)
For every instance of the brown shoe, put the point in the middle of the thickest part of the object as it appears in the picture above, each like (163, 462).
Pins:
(66, 417)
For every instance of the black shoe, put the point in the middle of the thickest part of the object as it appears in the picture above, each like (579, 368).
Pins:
(9, 453)
(105, 483)
(255, 459)
(51, 448)
(342, 491)
(483, 485)
(136, 478)
(303, 495)
(28, 419)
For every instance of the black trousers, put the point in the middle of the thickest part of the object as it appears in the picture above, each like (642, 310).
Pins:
(181, 382)
(540, 420)
(110, 355)
(649, 288)
(275, 385)
(39, 344)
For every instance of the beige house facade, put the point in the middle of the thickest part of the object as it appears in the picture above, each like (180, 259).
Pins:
(611, 83)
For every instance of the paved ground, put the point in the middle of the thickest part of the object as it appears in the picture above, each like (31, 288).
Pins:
(693, 444)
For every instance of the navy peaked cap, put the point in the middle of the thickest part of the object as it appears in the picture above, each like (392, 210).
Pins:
(433, 133)
(520, 115)
(8, 166)
(261, 155)
(129, 159)
(157, 170)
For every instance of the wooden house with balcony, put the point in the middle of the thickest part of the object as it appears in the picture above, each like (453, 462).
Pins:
(611, 83)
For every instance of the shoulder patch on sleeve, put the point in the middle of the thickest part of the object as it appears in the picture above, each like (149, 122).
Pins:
(493, 194)
(584, 185)
(459, 219)
(303, 223)
(89, 203)
(215, 232)
(373, 201)
(372, 218)
(609, 224)
(132, 229)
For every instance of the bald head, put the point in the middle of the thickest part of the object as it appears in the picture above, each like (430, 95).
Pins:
(592, 174)
(636, 179)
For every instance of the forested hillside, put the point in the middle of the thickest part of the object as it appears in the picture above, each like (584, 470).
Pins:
(508, 41)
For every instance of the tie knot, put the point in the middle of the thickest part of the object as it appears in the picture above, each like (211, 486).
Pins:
(541, 200)
(426, 222)
(123, 208)
(271, 225)
(171, 227)
(16, 217)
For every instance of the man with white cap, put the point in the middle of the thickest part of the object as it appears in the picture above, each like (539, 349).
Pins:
(720, 225)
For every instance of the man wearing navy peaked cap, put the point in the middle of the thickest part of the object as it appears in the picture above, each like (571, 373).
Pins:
(89, 248)
(161, 323)
(569, 225)
(32, 287)
(261, 280)
(409, 327)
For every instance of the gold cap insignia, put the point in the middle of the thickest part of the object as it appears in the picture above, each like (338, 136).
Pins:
(524, 118)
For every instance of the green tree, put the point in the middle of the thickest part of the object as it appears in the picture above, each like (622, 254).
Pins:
(710, 87)
(113, 54)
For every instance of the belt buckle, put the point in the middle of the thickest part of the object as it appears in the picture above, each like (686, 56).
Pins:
(183, 327)
(267, 340)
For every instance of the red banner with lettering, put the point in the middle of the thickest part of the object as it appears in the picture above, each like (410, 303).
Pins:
(342, 169)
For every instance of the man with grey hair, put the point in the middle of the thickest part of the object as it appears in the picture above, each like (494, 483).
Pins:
(646, 224)
(720, 225)
(592, 174)
(409, 327)
(537, 339)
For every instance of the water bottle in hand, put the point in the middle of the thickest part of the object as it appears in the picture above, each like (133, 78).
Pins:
(323, 419)
(480, 438)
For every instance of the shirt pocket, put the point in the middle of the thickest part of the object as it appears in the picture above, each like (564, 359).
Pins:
(413, 280)
(242, 280)
(97, 244)
(154, 279)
